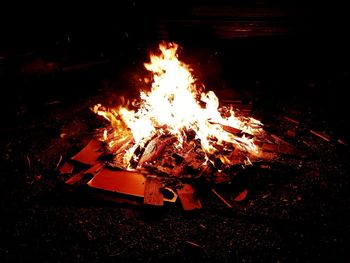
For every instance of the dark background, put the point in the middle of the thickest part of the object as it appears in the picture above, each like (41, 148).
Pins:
(291, 50)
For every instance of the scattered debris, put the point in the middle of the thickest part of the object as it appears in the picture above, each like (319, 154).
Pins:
(242, 195)
(67, 168)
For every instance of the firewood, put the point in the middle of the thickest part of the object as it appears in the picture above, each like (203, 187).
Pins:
(154, 149)
(120, 145)
(228, 129)
(188, 158)
(153, 196)
(236, 157)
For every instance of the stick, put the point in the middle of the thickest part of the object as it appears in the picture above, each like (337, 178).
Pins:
(291, 120)
(193, 244)
(28, 161)
(222, 199)
(342, 142)
(322, 136)
(59, 162)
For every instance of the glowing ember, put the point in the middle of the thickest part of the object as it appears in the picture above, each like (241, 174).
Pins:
(178, 112)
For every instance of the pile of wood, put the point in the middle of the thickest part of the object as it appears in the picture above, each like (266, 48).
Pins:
(161, 171)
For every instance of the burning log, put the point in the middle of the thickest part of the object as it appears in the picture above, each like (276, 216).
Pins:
(154, 149)
(117, 146)
(187, 159)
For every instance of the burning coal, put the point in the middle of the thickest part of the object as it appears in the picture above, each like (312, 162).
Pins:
(177, 124)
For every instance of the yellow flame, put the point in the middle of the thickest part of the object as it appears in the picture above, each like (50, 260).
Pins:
(175, 104)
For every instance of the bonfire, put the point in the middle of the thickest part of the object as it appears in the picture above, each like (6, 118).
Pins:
(177, 128)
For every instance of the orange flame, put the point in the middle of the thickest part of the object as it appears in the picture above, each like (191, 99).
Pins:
(174, 105)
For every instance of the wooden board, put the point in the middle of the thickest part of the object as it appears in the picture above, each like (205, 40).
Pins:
(153, 196)
(90, 153)
(188, 199)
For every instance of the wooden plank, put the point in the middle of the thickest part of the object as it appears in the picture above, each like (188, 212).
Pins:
(79, 176)
(153, 196)
(90, 153)
(188, 199)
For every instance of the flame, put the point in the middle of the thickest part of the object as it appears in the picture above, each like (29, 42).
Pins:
(174, 105)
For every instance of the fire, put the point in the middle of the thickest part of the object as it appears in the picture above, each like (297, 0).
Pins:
(176, 106)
